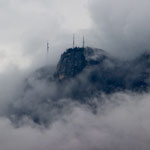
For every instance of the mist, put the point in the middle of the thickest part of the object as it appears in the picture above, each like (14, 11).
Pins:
(121, 120)
(37, 113)
(121, 27)
(122, 126)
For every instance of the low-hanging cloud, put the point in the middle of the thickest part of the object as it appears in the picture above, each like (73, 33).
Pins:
(26, 26)
(122, 125)
(37, 116)
(121, 27)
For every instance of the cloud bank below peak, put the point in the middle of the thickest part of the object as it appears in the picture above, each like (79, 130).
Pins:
(121, 127)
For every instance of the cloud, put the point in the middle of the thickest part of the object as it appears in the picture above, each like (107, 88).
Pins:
(122, 124)
(121, 27)
(46, 120)
(26, 26)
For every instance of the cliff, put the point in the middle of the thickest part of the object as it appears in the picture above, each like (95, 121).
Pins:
(74, 61)
(82, 75)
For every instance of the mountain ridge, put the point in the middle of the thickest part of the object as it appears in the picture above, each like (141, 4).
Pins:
(82, 75)
(104, 72)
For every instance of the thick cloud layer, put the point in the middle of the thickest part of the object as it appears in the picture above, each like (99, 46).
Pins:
(122, 125)
(121, 27)
(26, 26)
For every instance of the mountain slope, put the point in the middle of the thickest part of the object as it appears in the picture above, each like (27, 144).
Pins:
(82, 75)
(102, 71)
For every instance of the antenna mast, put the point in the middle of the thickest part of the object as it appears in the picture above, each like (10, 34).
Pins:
(47, 49)
(83, 42)
(73, 40)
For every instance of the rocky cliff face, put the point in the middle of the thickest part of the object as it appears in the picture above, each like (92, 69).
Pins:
(71, 63)
(103, 72)
(81, 75)
(95, 71)
(74, 61)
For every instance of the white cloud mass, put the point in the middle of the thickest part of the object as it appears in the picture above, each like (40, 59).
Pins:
(122, 27)
(119, 26)
(27, 25)
(121, 127)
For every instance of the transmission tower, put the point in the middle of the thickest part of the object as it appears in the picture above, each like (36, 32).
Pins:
(47, 48)
(47, 52)
(73, 41)
(83, 42)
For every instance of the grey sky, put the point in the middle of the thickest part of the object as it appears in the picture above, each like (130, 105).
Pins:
(26, 25)
(121, 27)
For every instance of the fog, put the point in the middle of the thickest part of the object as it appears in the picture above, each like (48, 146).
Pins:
(26, 26)
(121, 120)
(34, 114)
(125, 126)
(121, 27)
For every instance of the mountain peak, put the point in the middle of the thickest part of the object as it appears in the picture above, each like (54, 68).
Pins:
(74, 60)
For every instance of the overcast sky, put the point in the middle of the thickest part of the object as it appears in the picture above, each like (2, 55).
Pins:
(26, 25)
(119, 26)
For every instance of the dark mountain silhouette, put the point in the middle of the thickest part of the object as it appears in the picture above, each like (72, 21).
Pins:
(84, 72)
(103, 72)
(81, 75)
(74, 61)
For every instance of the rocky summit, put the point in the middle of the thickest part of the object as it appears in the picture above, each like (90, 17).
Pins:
(82, 74)
(103, 72)
(74, 61)
(94, 70)
(71, 63)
